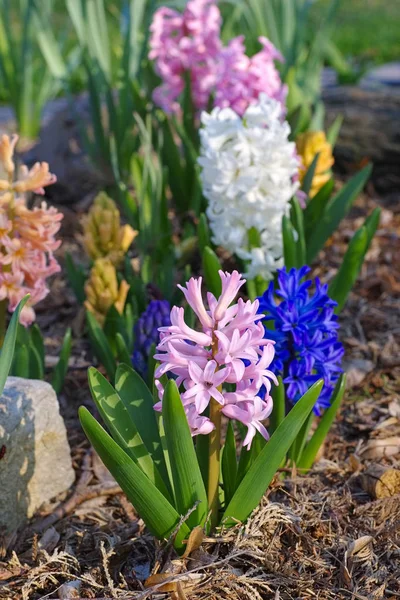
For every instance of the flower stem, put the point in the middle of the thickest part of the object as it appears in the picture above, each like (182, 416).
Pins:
(214, 462)
(3, 320)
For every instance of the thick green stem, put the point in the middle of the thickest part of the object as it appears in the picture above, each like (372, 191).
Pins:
(214, 462)
(3, 320)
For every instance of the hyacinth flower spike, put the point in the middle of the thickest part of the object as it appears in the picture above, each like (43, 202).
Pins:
(228, 347)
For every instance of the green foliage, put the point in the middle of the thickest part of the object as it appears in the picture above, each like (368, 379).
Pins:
(335, 210)
(261, 472)
(26, 85)
(309, 449)
(155, 461)
(211, 266)
(346, 277)
(29, 357)
(8, 346)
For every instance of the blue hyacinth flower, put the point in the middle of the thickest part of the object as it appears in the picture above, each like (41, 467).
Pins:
(146, 333)
(305, 331)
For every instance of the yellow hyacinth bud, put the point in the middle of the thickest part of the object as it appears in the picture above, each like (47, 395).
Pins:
(104, 237)
(308, 145)
(102, 290)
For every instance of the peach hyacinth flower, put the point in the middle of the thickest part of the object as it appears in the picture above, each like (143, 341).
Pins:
(27, 236)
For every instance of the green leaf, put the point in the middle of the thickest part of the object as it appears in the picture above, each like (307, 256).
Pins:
(21, 366)
(289, 244)
(114, 323)
(122, 428)
(279, 406)
(298, 445)
(138, 401)
(247, 457)
(100, 345)
(202, 453)
(61, 368)
(188, 482)
(203, 233)
(261, 473)
(334, 130)
(336, 209)
(7, 350)
(36, 339)
(229, 464)
(311, 449)
(159, 515)
(350, 268)
(76, 277)
(122, 350)
(298, 223)
(36, 366)
(315, 208)
(309, 176)
(211, 266)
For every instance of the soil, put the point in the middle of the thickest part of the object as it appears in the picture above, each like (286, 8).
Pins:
(315, 536)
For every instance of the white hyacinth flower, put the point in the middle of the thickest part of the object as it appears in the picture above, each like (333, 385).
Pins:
(249, 175)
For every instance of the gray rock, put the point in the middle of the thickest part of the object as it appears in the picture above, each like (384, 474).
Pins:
(370, 132)
(36, 462)
(388, 74)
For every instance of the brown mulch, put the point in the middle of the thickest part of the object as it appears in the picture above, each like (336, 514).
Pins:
(319, 535)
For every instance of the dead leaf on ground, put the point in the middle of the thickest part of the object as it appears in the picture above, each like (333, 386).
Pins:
(380, 448)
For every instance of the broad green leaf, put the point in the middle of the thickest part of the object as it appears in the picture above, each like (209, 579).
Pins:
(61, 368)
(350, 268)
(211, 266)
(261, 473)
(311, 449)
(229, 464)
(279, 406)
(336, 209)
(188, 482)
(122, 428)
(138, 401)
(372, 223)
(7, 349)
(100, 345)
(159, 515)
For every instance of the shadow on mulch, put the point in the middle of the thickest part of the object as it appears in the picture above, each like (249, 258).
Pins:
(320, 535)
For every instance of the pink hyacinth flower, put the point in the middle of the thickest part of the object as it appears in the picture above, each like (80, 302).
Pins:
(227, 348)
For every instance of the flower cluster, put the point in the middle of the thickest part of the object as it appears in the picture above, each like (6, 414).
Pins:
(249, 170)
(305, 332)
(27, 236)
(189, 44)
(229, 350)
(308, 145)
(104, 236)
(146, 332)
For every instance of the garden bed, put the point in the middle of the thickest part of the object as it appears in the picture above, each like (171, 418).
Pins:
(315, 536)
